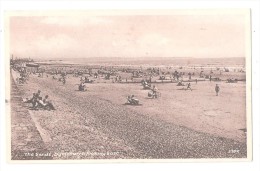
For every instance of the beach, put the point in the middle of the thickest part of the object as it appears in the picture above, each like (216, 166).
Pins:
(180, 124)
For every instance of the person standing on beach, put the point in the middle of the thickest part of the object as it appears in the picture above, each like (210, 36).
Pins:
(189, 75)
(150, 79)
(154, 90)
(217, 89)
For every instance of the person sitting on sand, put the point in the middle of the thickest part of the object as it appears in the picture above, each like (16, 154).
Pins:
(29, 100)
(180, 83)
(47, 102)
(82, 86)
(154, 90)
(129, 99)
(36, 98)
(63, 80)
(40, 101)
(35, 102)
(37, 95)
(44, 103)
(132, 100)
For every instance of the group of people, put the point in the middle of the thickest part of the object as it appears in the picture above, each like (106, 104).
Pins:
(38, 102)
(145, 84)
(132, 100)
(217, 88)
(85, 79)
(23, 77)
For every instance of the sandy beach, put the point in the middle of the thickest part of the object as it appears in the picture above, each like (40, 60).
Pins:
(96, 124)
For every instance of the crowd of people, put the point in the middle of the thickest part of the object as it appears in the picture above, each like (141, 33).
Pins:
(38, 102)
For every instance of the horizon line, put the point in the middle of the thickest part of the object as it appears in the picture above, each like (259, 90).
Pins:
(139, 57)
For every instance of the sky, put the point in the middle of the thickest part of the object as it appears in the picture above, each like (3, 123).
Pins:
(202, 36)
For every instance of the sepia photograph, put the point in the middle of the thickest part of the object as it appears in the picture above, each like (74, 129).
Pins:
(129, 85)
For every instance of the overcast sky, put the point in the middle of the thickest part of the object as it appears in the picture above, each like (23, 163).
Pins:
(128, 36)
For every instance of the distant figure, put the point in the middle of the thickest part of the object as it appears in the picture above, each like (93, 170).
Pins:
(210, 78)
(201, 74)
(189, 75)
(189, 87)
(95, 75)
(217, 89)
(150, 79)
(63, 80)
(154, 90)
(196, 81)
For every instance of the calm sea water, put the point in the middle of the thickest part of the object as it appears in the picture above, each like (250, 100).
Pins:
(190, 62)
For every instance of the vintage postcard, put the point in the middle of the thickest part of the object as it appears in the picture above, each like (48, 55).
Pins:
(128, 85)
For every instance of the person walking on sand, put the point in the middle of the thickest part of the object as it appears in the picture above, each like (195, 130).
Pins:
(217, 89)
(189, 87)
